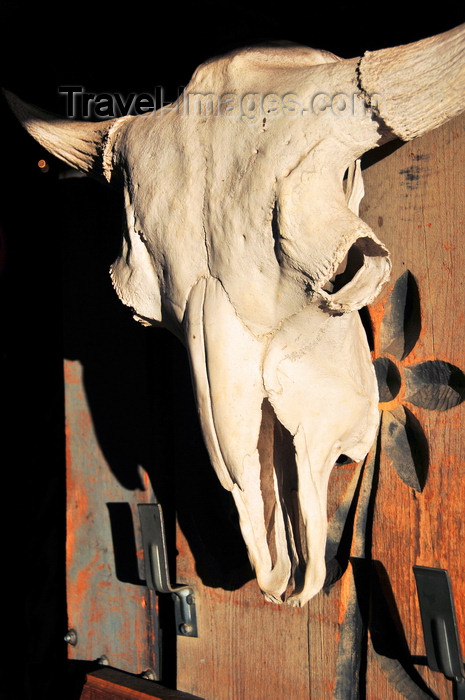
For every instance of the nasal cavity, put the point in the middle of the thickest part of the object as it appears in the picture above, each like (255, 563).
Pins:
(279, 482)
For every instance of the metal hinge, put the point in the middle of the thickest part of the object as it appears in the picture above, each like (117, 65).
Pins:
(156, 569)
(439, 623)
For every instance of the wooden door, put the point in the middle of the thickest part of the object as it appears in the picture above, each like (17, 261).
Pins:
(362, 638)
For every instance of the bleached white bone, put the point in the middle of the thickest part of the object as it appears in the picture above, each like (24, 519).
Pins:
(243, 237)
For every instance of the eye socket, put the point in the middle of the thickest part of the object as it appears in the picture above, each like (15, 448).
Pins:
(347, 270)
(358, 278)
(354, 260)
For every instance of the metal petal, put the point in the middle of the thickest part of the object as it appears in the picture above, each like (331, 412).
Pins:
(401, 325)
(404, 443)
(435, 385)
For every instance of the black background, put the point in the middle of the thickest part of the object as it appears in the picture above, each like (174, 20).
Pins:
(43, 219)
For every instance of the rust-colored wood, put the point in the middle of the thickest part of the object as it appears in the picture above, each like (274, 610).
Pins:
(111, 437)
(111, 684)
(113, 613)
(415, 202)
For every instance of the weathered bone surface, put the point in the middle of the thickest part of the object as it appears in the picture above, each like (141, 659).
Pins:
(243, 237)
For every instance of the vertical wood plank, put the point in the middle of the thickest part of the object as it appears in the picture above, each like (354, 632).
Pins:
(109, 606)
(246, 647)
(415, 202)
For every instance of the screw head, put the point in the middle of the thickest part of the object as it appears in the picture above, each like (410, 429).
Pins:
(103, 660)
(186, 629)
(148, 674)
(71, 637)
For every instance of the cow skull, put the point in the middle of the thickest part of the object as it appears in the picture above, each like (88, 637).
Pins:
(242, 236)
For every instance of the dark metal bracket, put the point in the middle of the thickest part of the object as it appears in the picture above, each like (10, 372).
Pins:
(440, 625)
(156, 569)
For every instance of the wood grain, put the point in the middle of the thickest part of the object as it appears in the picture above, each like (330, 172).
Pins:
(108, 604)
(111, 684)
(415, 203)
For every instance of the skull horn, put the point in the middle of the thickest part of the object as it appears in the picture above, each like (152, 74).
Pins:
(85, 146)
(419, 85)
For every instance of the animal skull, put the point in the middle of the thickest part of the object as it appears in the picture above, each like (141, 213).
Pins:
(242, 236)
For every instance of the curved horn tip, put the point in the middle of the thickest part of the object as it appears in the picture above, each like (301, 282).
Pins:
(80, 144)
(418, 86)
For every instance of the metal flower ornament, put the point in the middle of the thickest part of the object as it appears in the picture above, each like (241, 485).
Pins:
(434, 385)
